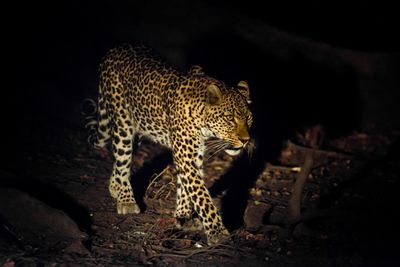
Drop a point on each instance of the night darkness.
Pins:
(329, 63)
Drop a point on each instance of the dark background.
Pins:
(331, 62)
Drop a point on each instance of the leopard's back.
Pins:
(136, 79)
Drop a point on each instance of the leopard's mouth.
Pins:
(233, 151)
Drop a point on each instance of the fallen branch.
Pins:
(319, 153)
(282, 168)
(295, 201)
(219, 249)
(314, 137)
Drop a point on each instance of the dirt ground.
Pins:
(348, 205)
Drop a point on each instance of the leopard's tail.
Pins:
(90, 112)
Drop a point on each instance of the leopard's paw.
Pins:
(217, 236)
(128, 208)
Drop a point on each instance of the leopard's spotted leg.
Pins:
(189, 163)
(122, 144)
(184, 209)
(120, 187)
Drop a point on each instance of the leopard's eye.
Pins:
(229, 117)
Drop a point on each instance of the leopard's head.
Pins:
(228, 117)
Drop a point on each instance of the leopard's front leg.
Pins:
(184, 208)
(189, 161)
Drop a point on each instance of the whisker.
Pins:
(216, 149)
(251, 147)
(215, 143)
(222, 147)
(215, 146)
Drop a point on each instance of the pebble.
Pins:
(198, 245)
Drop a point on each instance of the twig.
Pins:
(295, 200)
(189, 253)
(156, 177)
(283, 168)
(161, 190)
(146, 235)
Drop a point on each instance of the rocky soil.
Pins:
(55, 209)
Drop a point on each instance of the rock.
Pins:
(36, 224)
(254, 213)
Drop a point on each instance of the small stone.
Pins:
(276, 194)
(198, 245)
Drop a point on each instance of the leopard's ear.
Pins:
(196, 70)
(213, 94)
(244, 89)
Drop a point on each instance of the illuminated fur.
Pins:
(141, 95)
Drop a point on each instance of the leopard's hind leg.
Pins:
(122, 135)
(122, 144)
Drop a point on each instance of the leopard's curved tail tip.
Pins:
(88, 107)
(89, 110)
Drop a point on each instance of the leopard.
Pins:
(141, 95)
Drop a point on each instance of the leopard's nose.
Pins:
(244, 139)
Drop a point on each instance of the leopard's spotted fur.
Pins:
(139, 94)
